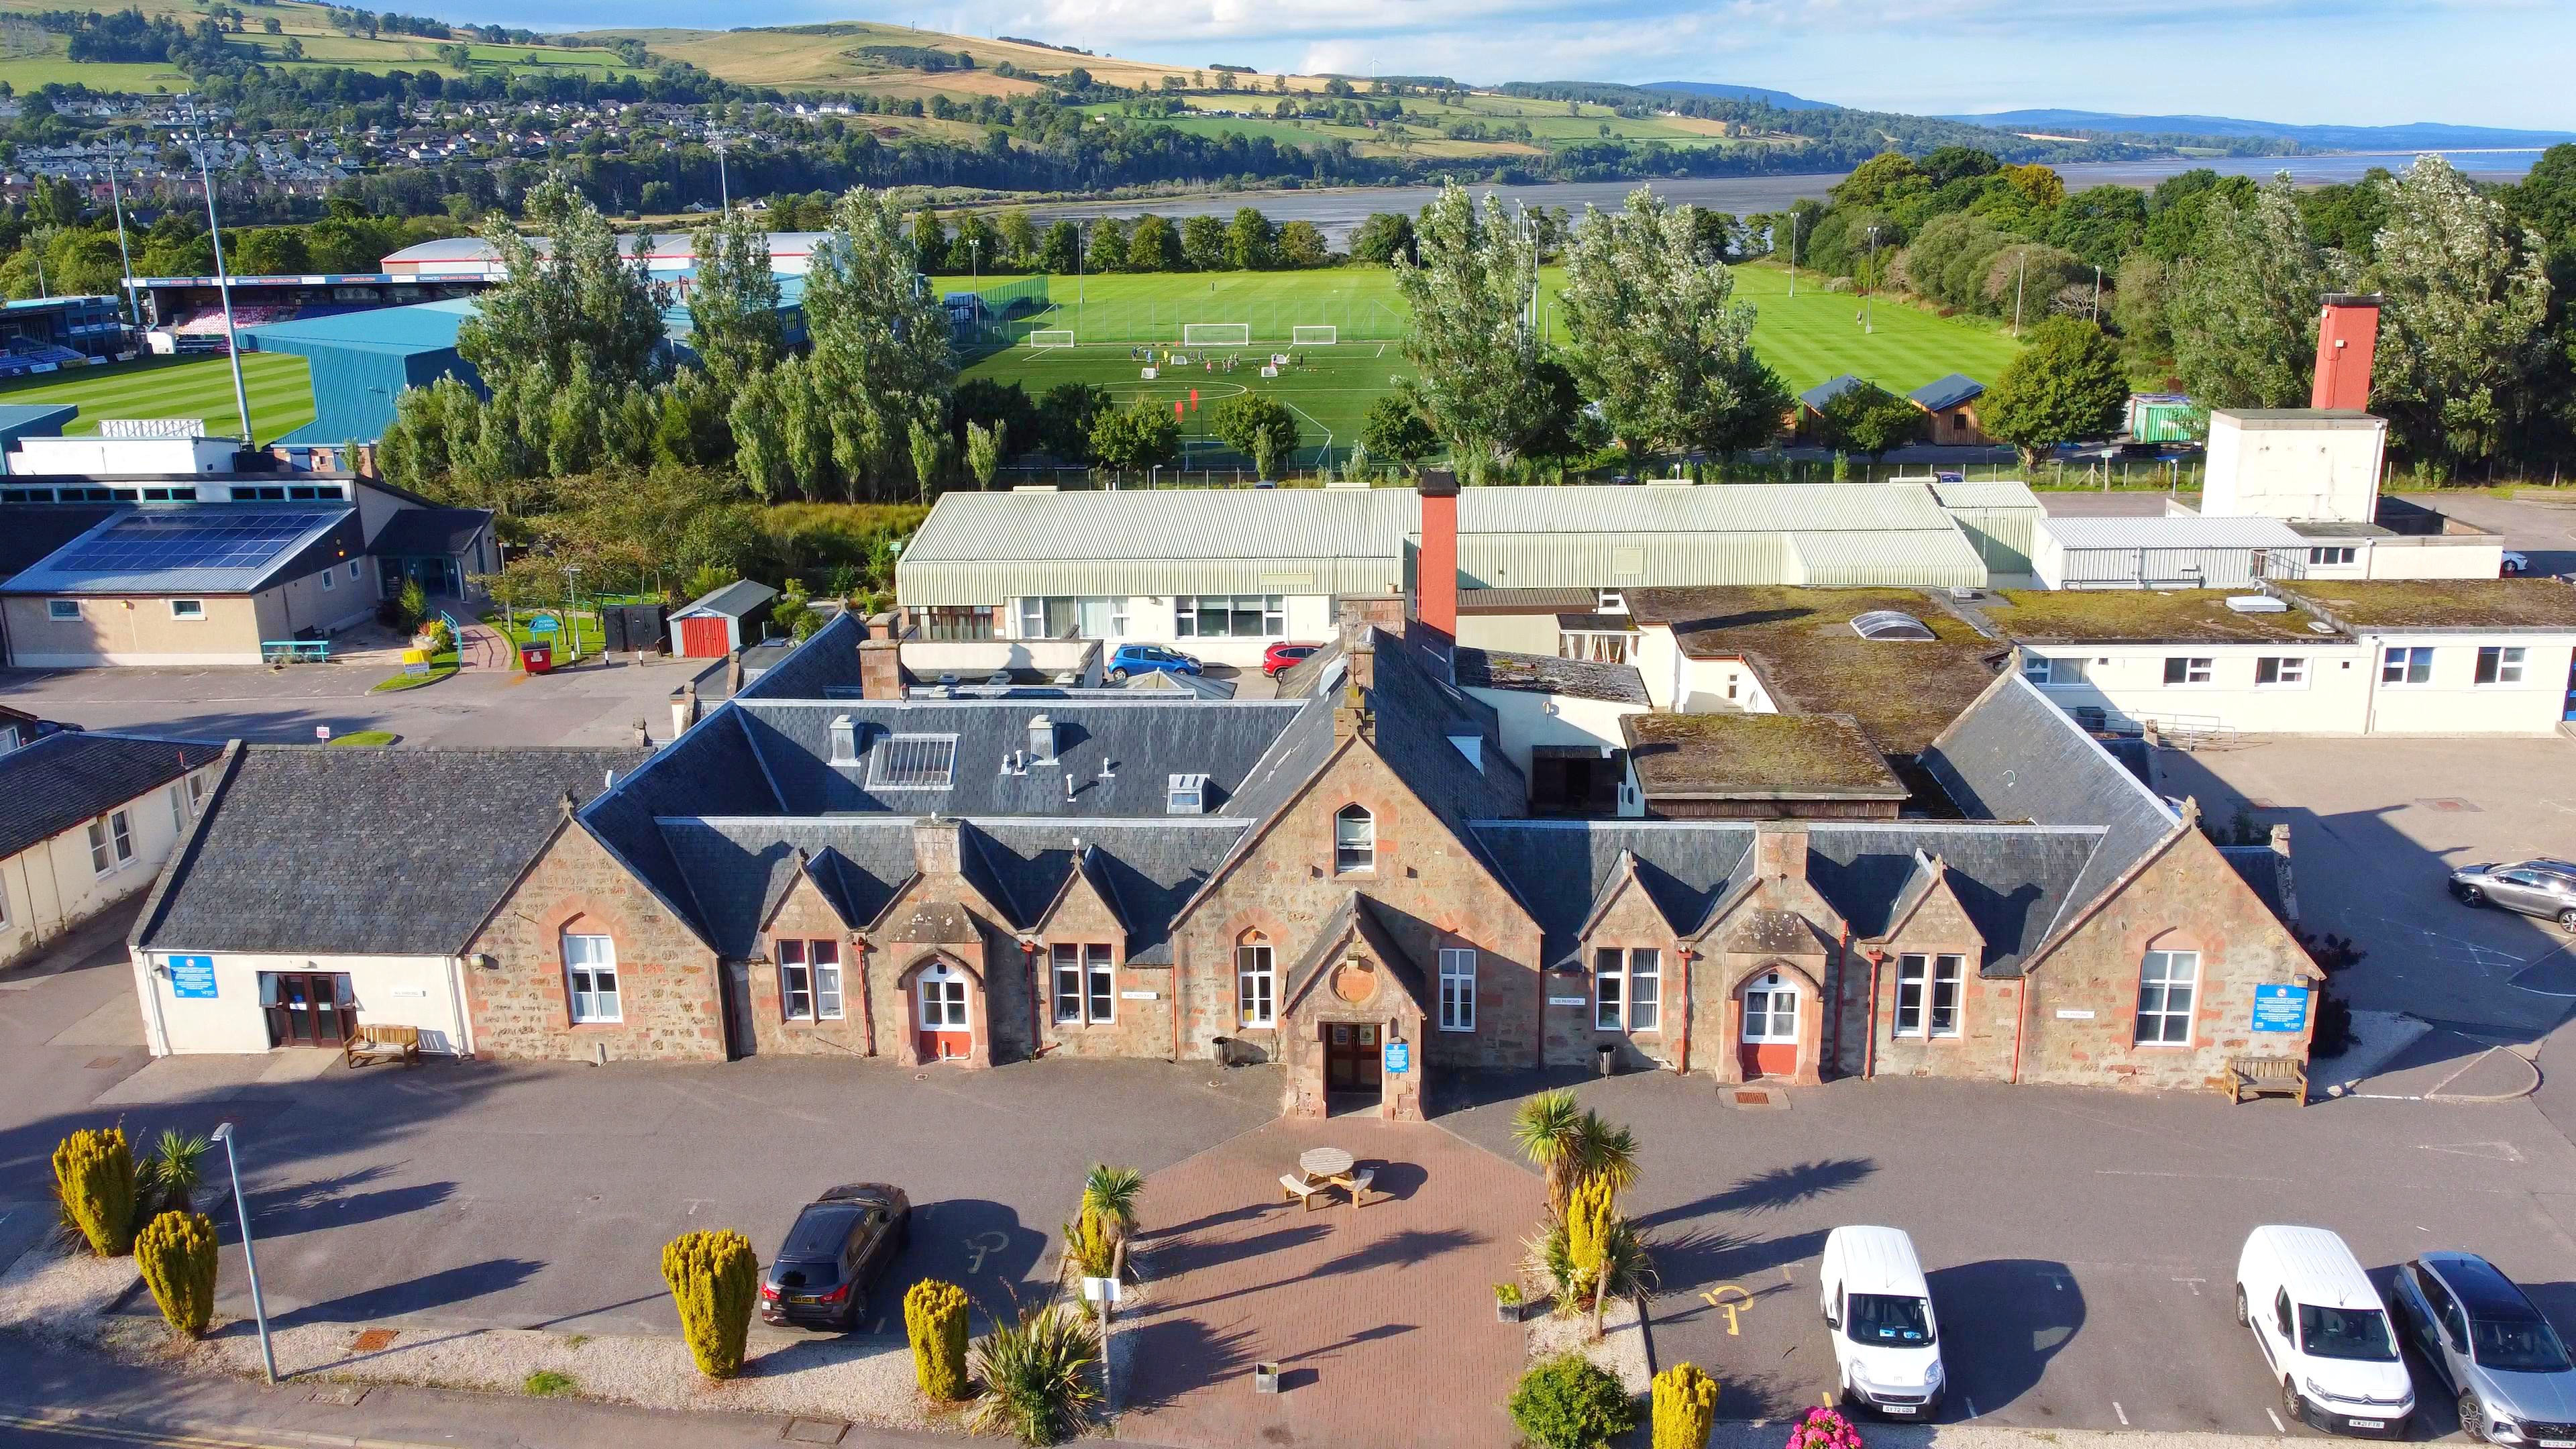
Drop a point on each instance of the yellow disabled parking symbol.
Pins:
(1732, 1306)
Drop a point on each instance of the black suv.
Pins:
(838, 1247)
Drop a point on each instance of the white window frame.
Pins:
(1626, 998)
(1949, 986)
(828, 1001)
(178, 809)
(2406, 661)
(196, 791)
(189, 610)
(2494, 660)
(1354, 840)
(2050, 671)
(809, 969)
(1913, 978)
(934, 988)
(2203, 666)
(327, 584)
(1088, 974)
(2331, 556)
(1256, 980)
(62, 611)
(2289, 671)
(1458, 988)
(598, 962)
(353, 571)
(1771, 988)
(2164, 1016)
(1187, 609)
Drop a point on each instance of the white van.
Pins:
(2324, 1331)
(1886, 1345)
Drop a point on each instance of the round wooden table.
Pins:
(1325, 1162)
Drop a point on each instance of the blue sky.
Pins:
(2354, 62)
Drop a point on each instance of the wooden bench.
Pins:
(1306, 1192)
(375, 1042)
(2262, 1076)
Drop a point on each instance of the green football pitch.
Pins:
(280, 387)
(1329, 388)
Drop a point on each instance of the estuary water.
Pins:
(1339, 210)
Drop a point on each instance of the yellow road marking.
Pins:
(1716, 1298)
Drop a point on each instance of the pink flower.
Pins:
(1823, 1429)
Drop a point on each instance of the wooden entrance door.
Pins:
(1770, 1046)
(308, 1008)
(702, 638)
(945, 1034)
(1351, 1060)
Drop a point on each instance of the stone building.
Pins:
(1350, 881)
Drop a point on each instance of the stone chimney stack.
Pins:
(2347, 339)
(1780, 850)
(935, 846)
(881, 659)
(684, 708)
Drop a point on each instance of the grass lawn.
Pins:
(441, 665)
(364, 738)
(586, 626)
(280, 386)
(1809, 338)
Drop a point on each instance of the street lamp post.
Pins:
(116, 200)
(724, 186)
(572, 625)
(250, 1259)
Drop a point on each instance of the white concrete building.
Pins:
(92, 818)
(2295, 463)
(290, 919)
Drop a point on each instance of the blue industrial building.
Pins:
(361, 361)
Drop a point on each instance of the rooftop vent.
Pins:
(2257, 604)
(1187, 795)
(845, 740)
(1890, 624)
(1042, 739)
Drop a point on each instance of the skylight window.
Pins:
(913, 762)
(1890, 624)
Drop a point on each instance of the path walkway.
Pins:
(1381, 1318)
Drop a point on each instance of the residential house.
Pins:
(92, 818)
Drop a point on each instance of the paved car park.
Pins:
(594, 704)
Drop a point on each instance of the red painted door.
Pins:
(702, 638)
(945, 1034)
(1770, 1045)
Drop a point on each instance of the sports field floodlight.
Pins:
(223, 274)
(250, 1260)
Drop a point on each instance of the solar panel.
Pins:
(913, 762)
(149, 542)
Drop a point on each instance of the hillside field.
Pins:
(31, 57)
(280, 387)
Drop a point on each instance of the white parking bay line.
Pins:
(2277, 1426)
(2123, 1413)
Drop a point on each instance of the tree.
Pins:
(2244, 306)
(2466, 293)
(1474, 349)
(578, 302)
(1381, 238)
(1657, 338)
(1395, 434)
(1301, 244)
(984, 453)
(1140, 435)
(1019, 237)
(1251, 242)
(1203, 243)
(2067, 385)
(1872, 419)
(272, 251)
(1259, 427)
(880, 342)
(1065, 414)
(733, 306)
(1548, 1128)
(1155, 245)
(1062, 253)
(1108, 250)
(929, 239)
(928, 445)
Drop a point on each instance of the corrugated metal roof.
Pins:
(421, 326)
(663, 245)
(1539, 560)
(1993, 493)
(1873, 560)
(2172, 532)
(1714, 508)
(1946, 392)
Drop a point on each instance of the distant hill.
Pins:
(1781, 99)
(2419, 135)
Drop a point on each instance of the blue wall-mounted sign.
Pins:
(544, 624)
(1399, 1057)
(192, 977)
(2280, 1008)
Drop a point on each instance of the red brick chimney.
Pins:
(1435, 578)
(2347, 336)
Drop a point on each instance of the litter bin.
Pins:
(537, 658)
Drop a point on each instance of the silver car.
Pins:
(2498, 1356)
(2541, 887)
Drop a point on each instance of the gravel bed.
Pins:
(1620, 1350)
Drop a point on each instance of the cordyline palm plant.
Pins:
(1111, 1192)
(1038, 1377)
(176, 1167)
(1572, 1146)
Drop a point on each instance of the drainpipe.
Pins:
(2021, 1017)
(1687, 956)
(1869, 1050)
(1180, 973)
(1037, 999)
(867, 998)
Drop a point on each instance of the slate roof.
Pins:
(430, 532)
(1824, 392)
(365, 852)
(738, 598)
(1947, 392)
(1548, 674)
(66, 780)
(1148, 870)
(2012, 755)
(1143, 742)
(828, 660)
(2013, 880)
(1559, 868)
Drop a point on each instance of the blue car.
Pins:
(1130, 659)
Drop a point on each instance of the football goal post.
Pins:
(1216, 334)
(1051, 337)
(1314, 336)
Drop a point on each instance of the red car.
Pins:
(1279, 656)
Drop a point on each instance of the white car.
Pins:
(1887, 1345)
(2324, 1331)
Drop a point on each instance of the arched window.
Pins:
(943, 998)
(1354, 840)
(1255, 999)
